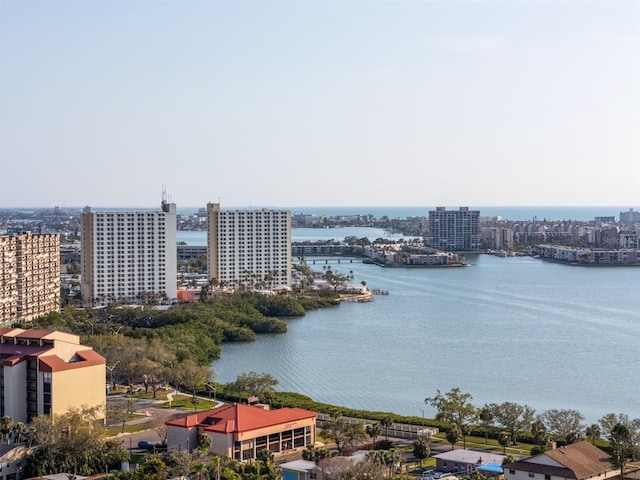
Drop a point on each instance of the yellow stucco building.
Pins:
(48, 372)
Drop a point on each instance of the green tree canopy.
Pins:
(455, 408)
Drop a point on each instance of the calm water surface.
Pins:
(512, 329)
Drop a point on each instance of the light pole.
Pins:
(422, 429)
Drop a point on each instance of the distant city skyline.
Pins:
(522, 103)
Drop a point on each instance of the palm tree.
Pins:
(421, 449)
(199, 471)
(391, 458)
(486, 418)
(453, 435)
(504, 439)
(18, 430)
(216, 463)
(373, 430)
(593, 432)
(6, 426)
(386, 423)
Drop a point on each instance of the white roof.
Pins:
(299, 465)
(471, 456)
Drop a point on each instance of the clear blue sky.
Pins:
(319, 103)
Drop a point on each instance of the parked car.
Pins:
(146, 444)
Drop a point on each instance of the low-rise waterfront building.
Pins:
(588, 256)
(241, 431)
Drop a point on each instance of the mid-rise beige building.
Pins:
(48, 372)
(29, 276)
(249, 249)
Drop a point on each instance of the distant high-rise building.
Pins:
(630, 217)
(603, 220)
(454, 230)
(128, 256)
(249, 248)
(29, 276)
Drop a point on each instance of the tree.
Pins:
(373, 430)
(335, 429)
(199, 470)
(6, 427)
(565, 424)
(539, 431)
(454, 407)
(514, 418)
(610, 420)
(203, 442)
(453, 435)
(355, 434)
(476, 475)
(253, 384)
(504, 439)
(314, 454)
(593, 433)
(386, 422)
(117, 414)
(72, 443)
(485, 415)
(421, 449)
(192, 377)
(620, 441)
(19, 429)
(336, 280)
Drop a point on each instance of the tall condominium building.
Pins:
(48, 372)
(128, 256)
(249, 248)
(630, 217)
(29, 276)
(454, 230)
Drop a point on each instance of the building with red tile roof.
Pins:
(47, 372)
(241, 431)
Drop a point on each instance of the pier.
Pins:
(324, 261)
(377, 291)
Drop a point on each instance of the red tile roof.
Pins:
(87, 358)
(241, 418)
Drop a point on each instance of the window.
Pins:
(532, 475)
(46, 388)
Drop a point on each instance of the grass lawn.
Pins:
(186, 402)
(492, 444)
(137, 427)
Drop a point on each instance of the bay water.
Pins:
(504, 329)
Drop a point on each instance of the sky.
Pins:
(319, 103)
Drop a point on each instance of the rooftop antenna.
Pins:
(163, 204)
